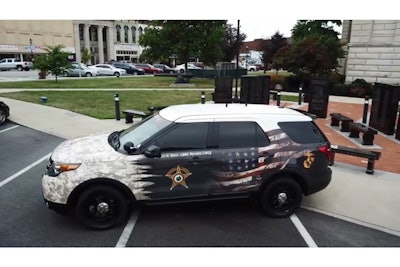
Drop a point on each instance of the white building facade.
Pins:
(105, 40)
(373, 50)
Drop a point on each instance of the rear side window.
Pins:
(302, 132)
(241, 134)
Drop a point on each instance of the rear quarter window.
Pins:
(303, 132)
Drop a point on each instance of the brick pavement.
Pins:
(387, 145)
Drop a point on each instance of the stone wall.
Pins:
(374, 51)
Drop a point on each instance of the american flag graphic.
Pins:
(241, 168)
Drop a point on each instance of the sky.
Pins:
(258, 18)
(263, 28)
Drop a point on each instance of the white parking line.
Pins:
(27, 168)
(10, 128)
(128, 229)
(303, 231)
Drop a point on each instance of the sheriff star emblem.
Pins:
(178, 176)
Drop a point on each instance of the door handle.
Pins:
(196, 160)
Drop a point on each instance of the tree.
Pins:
(230, 44)
(85, 56)
(315, 49)
(271, 47)
(184, 39)
(55, 61)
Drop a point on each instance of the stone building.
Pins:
(373, 48)
(105, 40)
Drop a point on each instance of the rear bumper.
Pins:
(318, 182)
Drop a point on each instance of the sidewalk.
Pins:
(353, 195)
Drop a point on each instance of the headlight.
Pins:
(55, 168)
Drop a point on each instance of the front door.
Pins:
(183, 170)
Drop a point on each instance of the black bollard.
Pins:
(116, 101)
(365, 111)
(300, 95)
(278, 88)
(203, 97)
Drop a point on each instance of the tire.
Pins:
(3, 115)
(20, 68)
(181, 70)
(101, 207)
(116, 74)
(281, 197)
(88, 74)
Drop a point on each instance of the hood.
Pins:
(92, 148)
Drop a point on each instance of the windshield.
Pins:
(140, 132)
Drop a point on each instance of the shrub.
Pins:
(360, 88)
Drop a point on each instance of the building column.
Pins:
(78, 56)
(100, 43)
(129, 36)
(110, 43)
(86, 39)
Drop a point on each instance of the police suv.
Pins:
(189, 153)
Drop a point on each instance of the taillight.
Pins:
(326, 150)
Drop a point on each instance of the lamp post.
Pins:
(30, 46)
(247, 56)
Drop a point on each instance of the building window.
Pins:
(118, 29)
(80, 32)
(133, 34)
(140, 32)
(126, 30)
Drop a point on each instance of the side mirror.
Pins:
(129, 147)
(153, 152)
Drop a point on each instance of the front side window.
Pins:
(140, 132)
(186, 136)
(241, 135)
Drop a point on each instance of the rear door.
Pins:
(242, 155)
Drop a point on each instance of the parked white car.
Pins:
(80, 70)
(108, 70)
(190, 66)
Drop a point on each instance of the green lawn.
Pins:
(100, 104)
(108, 82)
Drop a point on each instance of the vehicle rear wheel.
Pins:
(20, 68)
(88, 74)
(101, 207)
(281, 198)
(116, 74)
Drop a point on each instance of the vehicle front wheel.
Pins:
(3, 115)
(101, 207)
(88, 74)
(116, 74)
(20, 68)
(281, 198)
(181, 70)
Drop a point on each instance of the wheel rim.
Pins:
(102, 209)
(2, 116)
(283, 198)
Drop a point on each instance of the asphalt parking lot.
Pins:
(26, 222)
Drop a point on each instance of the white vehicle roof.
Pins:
(208, 112)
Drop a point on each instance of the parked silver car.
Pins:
(80, 70)
(108, 70)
